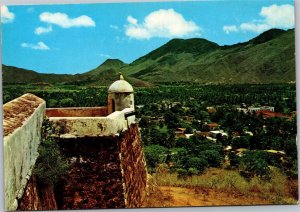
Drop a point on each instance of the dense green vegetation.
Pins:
(282, 96)
(50, 167)
(162, 109)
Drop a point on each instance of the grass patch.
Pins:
(276, 190)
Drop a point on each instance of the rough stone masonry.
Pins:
(102, 144)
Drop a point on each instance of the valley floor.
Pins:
(168, 191)
(182, 197)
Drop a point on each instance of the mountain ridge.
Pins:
(267, 58)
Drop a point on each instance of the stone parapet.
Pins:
(75, 127)
(22, 122)
(77, 112)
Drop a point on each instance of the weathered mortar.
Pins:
(22, 121)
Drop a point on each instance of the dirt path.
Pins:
(177, 196)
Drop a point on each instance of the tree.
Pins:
(241, 142)
(155, 154)
(213, 157)
(171, 119)
(255, 163)
(197, 163)
(234, 159)
(52, 103)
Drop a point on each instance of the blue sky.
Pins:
(77, 38)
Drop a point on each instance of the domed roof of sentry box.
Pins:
(120, 86)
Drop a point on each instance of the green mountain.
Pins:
(12, 74)
(103, 75)
(267, 58)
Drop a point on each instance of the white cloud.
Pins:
(274, 16)
(279, 16)
(253, 27)
(42, 30)
(6, 15)
(105, 55)
(39, 46)
(161, 23)
(132, 20)
(230, 28)
(115, 27)
(64, 21)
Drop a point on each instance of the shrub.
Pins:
(68, 102)
(193, 171)
(234, 159)
(213, 157)
(200, 164)
(50, 166)
(52, 103)
(241, 142)
(255, 163)
(182, 173)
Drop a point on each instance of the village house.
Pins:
(180, 132)
(157, 120)
(270, 114)
(211, 109)
(252, 109)
(189, 119)
(214, 133)
(210, 126)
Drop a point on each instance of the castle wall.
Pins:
(74, 127)
(37, 197)
(77, 112)
(95, 178)
(108, 165)
(106, 172)
(133, 167)
(22, 121)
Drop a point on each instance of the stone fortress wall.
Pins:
(22, 121)
(103, 145)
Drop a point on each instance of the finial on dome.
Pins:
(121, 76)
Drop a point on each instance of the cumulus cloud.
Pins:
(274, 16)
(43, 30)
(39, 46)
(132, 20)
(6, 15)
(279, 16)
(230, 28)
(64, 21)
(161, 23)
